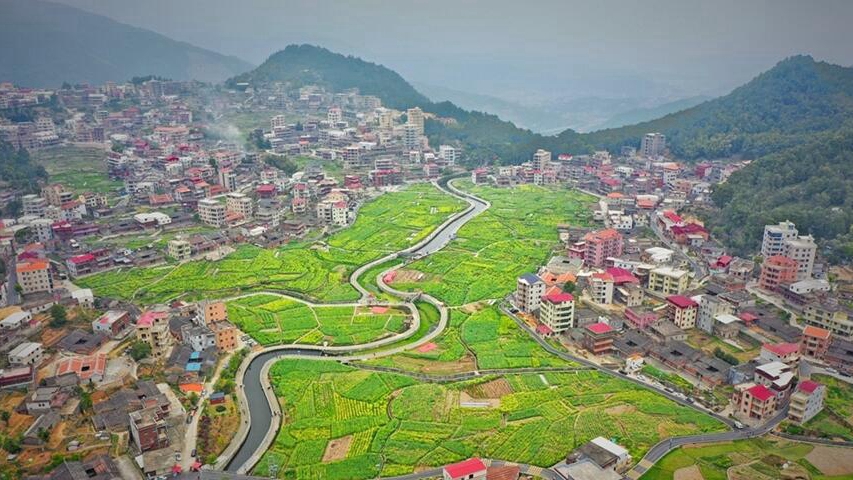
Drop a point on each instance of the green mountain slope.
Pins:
(810, 184)
(43, 44)
(778, 109)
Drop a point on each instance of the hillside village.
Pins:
(648, 292)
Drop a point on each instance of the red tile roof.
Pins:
(599, 328)
(465, 468)
(760, 392)
(559, 297)
(812, 331)
(782, 348)
(86, 257)
(543, 329)
(622, 275)
(681, 301)
(808, 386)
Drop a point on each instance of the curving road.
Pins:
(259, 407)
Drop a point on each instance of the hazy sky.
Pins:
(521, 48)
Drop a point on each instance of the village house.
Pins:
(806, 401)
(682, 311)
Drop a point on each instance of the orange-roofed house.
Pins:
(787, 353)
(34, 276)
(815, 342)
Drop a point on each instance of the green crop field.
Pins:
(512, 237)
(320, 270)
(484, 340)
(271, 319)
(390, 424)
(80, 169)
(756, 459)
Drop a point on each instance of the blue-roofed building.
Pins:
(528, 292)
(194, 367)
(195, 355)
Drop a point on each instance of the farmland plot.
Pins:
(389, 223)
(271, 320)
(415, 425)
(512, 237)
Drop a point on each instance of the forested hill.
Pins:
(780, 108)
(43, 44)
(810, 184)
(486, 137)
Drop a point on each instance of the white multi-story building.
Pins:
(541, 159)
(211, 212)
(415, 116)
(411, 136)
(557, 311)
(601, 288)
(34, 205)
(240, 203)
(710, 306)
(334, 115)
(653, 144)
(228, 179)
(528, 292)
(448, 154)
(775, 236)
(802, 250)
(43, 229)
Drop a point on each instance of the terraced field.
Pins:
(391, 222)
(395, 425)
(485, 339)
(512, 237)
(274, 320)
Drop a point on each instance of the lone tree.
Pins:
(139, 350)
(58, 316)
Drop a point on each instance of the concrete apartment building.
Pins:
(528, 292)
(415, 117)
(239, 203)
(653, 144)
(34, 205)
(149, 428)
(802, 250)
(773, 242)
(668, 280)
(710, 306)
(225, 335)
(831, 315)
(449, 154)
(601, 288)
(557, 311)
(153, 328)
(777, 270)
(211, 312)
(211, 212)
(34, 276)
(815, 342)
(600, 245)
(228, 179)
(179, 249)
(598, 338)
(541, 159)
(806, 401)
(682, 311)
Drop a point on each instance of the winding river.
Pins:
(256, 432)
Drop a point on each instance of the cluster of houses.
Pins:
(597, 459)
(186, 343)
(628, 301)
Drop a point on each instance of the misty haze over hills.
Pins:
(545, 53)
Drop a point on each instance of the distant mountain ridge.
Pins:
(43, 44)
